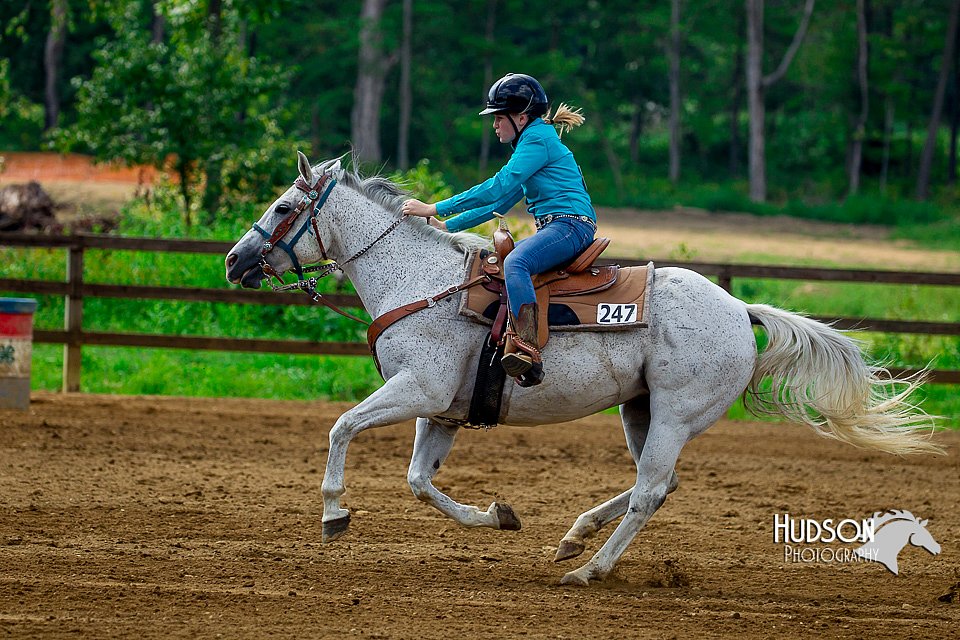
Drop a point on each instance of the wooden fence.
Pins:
(74, 290)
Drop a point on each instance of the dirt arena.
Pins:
(170, 517)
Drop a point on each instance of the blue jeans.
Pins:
(556, 245)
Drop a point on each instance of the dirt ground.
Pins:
(168, 517)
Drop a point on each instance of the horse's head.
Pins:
(286, 236)
(920, 537)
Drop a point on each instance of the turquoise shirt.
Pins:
(541, 169)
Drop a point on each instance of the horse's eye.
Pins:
(282, 208)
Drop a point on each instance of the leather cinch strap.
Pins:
(381, 324)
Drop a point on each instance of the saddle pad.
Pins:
(622, 303)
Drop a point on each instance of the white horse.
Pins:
(672, 380)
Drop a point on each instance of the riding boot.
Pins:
(521, 358)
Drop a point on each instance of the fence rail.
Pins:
(74, 290)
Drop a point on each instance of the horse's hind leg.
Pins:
(430, 448)
(654, 471)
(636, 422)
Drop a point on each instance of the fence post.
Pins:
(724, 279)
(73, 318)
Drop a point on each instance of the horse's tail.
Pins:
(819, 377)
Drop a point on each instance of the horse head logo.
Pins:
(898, 528)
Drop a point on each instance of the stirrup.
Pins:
(516, 363)
(533, 377)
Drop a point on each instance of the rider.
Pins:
(544, 171)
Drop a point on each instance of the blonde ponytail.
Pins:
(565, 118)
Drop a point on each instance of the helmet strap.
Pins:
(516, 132)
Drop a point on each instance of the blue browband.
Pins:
(288, 246)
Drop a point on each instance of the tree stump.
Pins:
(26, 207)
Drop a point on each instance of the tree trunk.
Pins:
(372, 67)
(636, 128)
(487, 81)
(954, 116)
(757, 84)
(887, 141)
(183, 172)
(406, 98)
(158, 24)
(52, 57)
(954, 124)
(859, 130)
(736, 106)
(755, 103)
(946, 63)
(213, 189)
(609, 152)
(674, 55)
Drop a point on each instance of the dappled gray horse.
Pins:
(671, 380)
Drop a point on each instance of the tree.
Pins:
(372, 67)
(488, 77)
(946, 63)
(675, 104)
(52, 58)
(152, 103)
(757, 84)
(213, 191)
(406, 97)
(859, 131)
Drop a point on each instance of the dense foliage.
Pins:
(220, 92)
(231, 85)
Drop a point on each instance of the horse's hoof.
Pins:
(568, 549)
(506, 517)
(576, 578)
(333, 529)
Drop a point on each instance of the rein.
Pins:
(314, 197)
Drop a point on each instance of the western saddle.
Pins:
(578, 278)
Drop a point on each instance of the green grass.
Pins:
(196, 373)
(132, 371)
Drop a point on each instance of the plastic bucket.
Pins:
(16, 345)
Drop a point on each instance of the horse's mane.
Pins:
(385, 192)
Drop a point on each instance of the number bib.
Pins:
(616, 313)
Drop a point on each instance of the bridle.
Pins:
(313, 197)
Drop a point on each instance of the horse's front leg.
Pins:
(400, 398)
(430, 448)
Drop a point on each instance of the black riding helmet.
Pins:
(516, 93)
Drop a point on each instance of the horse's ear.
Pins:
(923, 523)
(304, 165)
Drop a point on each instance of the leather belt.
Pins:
(543, 221)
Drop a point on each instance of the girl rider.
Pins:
(543, 171)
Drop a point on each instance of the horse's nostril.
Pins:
(231, 260)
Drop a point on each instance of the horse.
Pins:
(898, 529)
(672, 379)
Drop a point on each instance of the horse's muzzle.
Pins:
(252, 277)
(246, 273)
